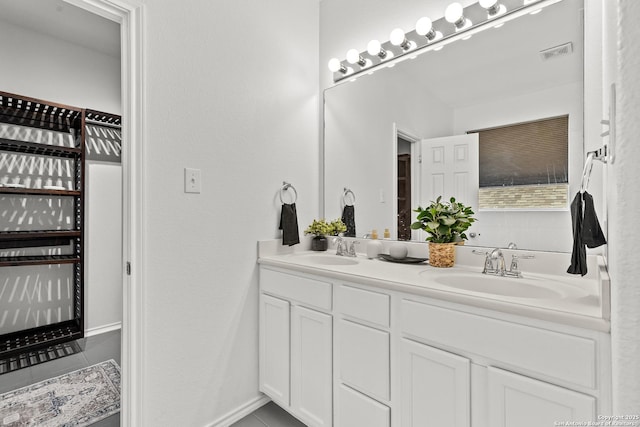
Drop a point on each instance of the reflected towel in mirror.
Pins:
(349, 219)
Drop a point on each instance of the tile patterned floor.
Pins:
(97, 348)
(270, 415)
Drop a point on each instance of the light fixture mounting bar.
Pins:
(475, 13)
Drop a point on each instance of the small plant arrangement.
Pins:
(320, 229)
(324, 228)
(445, 222)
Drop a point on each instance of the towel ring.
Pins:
(285, 187)
(347, 191)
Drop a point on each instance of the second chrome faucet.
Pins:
(343, 248)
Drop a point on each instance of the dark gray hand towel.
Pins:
(579, 253)
(586, 232)
(289, 224)
(349, 219)
(592, 234)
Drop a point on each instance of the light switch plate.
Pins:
(192, 180)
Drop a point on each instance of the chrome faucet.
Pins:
(494, 263)
(499, 267)
(343, 248)
(352, 248)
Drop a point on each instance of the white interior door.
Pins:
(450, 168)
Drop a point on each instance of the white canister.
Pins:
(374, 248)
(398, 251)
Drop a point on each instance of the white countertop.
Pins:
(573, 300)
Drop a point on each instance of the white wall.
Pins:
(43, 67)
(624, 205)
(54, 70)
(232, 89)
(103, 245)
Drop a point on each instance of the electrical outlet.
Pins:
(192, 180)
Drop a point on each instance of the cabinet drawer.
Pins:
(364, 358)
(364, 305)
(355, 409)
(565, 357)
(308, 291)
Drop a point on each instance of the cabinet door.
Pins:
(364, 358)
(519, 401)
(356, 409)
(274, 348)
(311, 366)
(435, 387)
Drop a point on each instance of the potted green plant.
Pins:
(321, 229)
(446, 223)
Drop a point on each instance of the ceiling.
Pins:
(58, 19)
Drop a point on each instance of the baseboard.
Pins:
(102, 329)
(240, 412)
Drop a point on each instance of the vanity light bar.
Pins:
(471, 19)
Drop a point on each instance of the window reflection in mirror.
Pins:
(525, 165)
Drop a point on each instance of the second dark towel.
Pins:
(586, 232)
(349, 219)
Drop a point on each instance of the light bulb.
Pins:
(374, 48)
(424, 27)
(397, 37)
(335, 65)
(453, 13)
(353, 56)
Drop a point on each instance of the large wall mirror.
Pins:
(381, 130)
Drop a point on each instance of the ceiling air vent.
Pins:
(555, 52)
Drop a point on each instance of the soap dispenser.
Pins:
(374, 246)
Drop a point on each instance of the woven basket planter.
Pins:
(442, 254)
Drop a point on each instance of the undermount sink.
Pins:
(507, 286)
(326, 259)
(530, 287)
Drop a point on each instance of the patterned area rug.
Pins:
(75, 399)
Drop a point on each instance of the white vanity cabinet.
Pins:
(296, 350)
(349, 351)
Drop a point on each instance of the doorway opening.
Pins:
(407, 154)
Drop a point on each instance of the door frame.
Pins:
(415, 174)
(130, 15)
